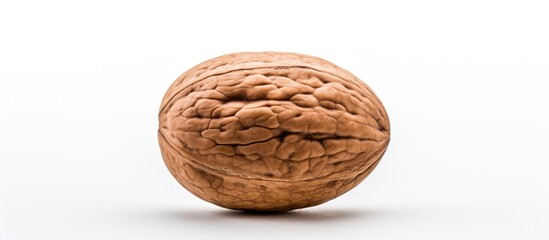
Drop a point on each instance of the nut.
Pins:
(270, 131)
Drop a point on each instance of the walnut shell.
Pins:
(270, 131)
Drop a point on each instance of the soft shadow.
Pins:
(296, 216)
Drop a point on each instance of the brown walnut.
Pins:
(270, 131)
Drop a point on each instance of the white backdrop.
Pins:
(464, 82)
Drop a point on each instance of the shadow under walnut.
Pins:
(270, 131)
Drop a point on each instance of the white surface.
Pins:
(465, 84)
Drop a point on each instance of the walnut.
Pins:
(270, 131)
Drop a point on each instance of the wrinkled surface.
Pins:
(270, 131)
